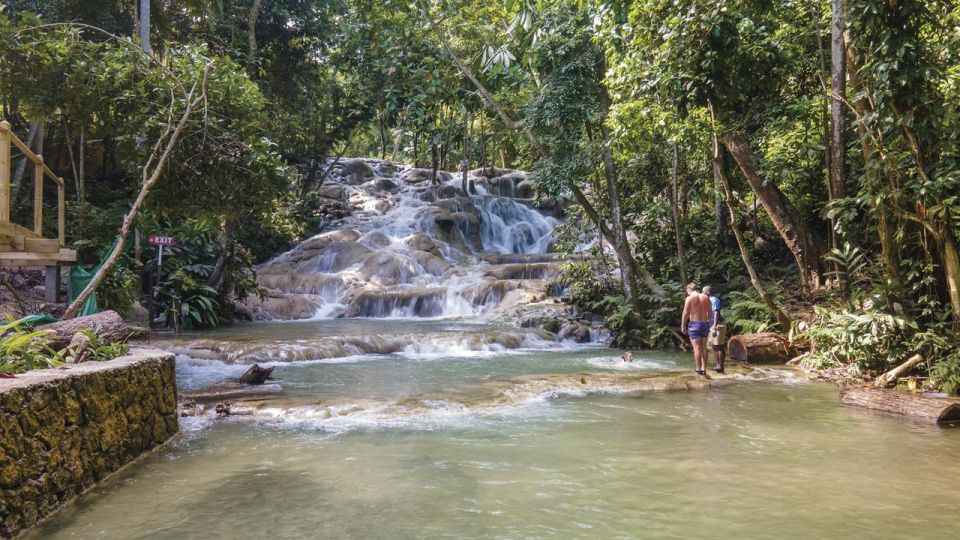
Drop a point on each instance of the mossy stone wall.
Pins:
(63, 430)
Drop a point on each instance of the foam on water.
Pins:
(617, 363)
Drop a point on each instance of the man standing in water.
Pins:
(695, 322)
(718, 330)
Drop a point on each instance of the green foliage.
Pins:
(870, 339)
(97, 351)
(583, 287)
(24, 350)
(746, 313)
(202, 274)
(946, 373)
(118, 290)
(853, 271)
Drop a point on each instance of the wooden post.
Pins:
(4, 171)
(52, 284)
(61, 213)
(38, 196)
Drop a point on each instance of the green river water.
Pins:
(750, 460)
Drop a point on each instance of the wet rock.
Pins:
(422, 242)
(382, 206)
(280, 306)
(410, 302)
(525, 189)
(354, 171)
(575, 331)
(336, 192)
(381, 185)
(432, 264)
(388, 268)
(490, 172)
(375, 240)
(449, 192)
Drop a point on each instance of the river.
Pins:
(750, 460)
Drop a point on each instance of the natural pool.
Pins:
(749, 460)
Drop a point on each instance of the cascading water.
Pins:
(412, 247)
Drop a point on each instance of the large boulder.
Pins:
(525, 189)
(431, 264)
(388, 268)
(449, 192)
(422, 242)
(354, 171)
(418, 175)
(381, 185)
(375, 240)
(336, 192)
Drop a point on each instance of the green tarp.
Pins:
(79, 278)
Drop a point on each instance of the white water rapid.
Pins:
(409, 247)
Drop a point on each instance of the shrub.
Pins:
(24, 350)
(946, 373)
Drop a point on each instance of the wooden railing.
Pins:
(40, 169)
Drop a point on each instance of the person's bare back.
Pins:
(697, 307)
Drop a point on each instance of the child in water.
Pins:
(627, 356)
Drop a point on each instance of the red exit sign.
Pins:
(163, 240)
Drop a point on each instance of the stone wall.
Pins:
(63, 430)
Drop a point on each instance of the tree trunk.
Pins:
(720, 207)
(674, 190)
(35, 127)
(252, 30)
(822, 75)
(781, 317)
(433, 164)
(145, 26)
(951, 267)
(648, 280)
(383, 136)
(838, 82)
(806, 249)
(886, 224)
(918, 407)
(762, 348)
(108, 325)
(620, 244)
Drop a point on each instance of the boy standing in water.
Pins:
(718, 330)
(695, 322)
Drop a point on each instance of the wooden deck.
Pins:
(22, 247)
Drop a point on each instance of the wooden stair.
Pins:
(21, 247)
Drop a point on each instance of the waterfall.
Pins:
(407, 248)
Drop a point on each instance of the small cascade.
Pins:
(413, 246)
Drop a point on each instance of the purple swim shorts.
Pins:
(698, 329)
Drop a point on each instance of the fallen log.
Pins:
(927, 409)
(890, 378)
(762, 348)
(108, 325)
(256, 375)
(233, 390)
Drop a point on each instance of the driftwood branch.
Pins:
(890, 378)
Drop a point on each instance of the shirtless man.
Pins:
(695, 322)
